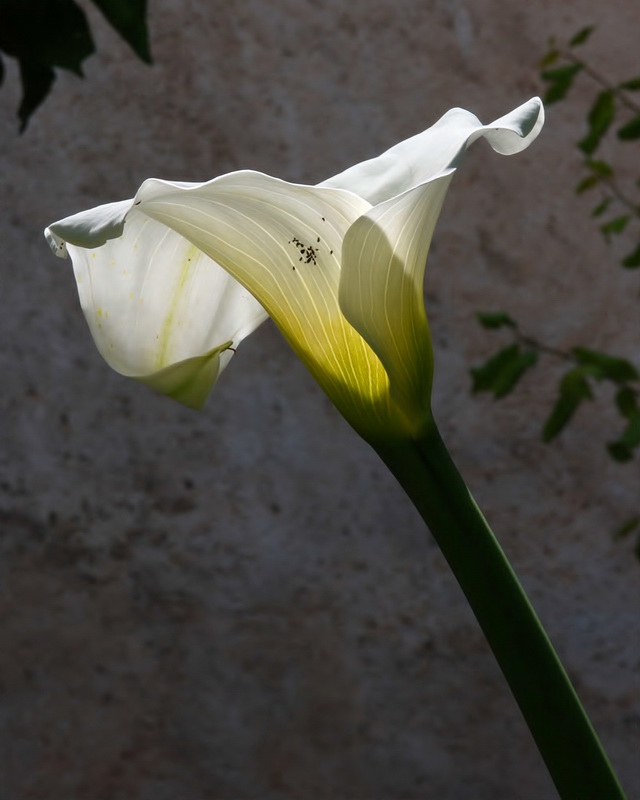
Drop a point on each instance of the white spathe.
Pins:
(159, 309)
(437, 149)
(167, 280)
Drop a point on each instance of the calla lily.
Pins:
(173, 280)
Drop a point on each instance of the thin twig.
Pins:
(563, 355)
(622, 197)
(598, 78)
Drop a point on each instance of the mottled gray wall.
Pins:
(241, 603)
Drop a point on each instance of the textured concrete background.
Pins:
(241, 604)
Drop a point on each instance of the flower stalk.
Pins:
(552, 710)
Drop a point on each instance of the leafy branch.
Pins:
(610, 98)
(618, 216)
(501, 373)
(45, 35)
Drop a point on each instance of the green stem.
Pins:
(564, 735)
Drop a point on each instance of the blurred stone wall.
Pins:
(241, 604)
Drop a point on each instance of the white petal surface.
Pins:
(90, 228)
(154, 302)
(381, 288)
(430, 153)
(283, 242)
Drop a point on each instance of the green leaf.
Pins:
(619, 452)
(549, 58)
(560, 80)
(615, 225)
(128, 17)
(622, 449)
(631, 434)
(599, 119)
(501, 373)
(573, 389)
(37, 80)
(587, 183)
(632, 85)
(582, 36)
(495, 319)
(42, 35)
(630, 131)
(54, 33)
(627, 527)
(626, 401)
(46, 34)
(599, 167)
(615, 369)
(633, 259)
(601, 207)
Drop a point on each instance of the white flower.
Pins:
(167, 280)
